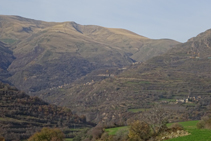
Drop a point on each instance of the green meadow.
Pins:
(196, 134)
(113, 131)
(190, 126)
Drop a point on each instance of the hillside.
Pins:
(50, 54)
(190, 126)
(6, 58)
(181, 73)
(22, 115)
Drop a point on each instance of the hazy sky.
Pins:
(175, 19)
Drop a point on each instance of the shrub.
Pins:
(200, 124)
(47, 134)
(97, 132)
(77, 138)
(208, 123)
(86, 139)
(121, 135)
(82, 135)
(204, 123)
(105, 136)
(139, 131)
(176, 126)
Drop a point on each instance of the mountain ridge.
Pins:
(73, 65)
(181, 72)
(41, 48)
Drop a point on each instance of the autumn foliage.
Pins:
(139, 131)
(204, 123)
(47, 134)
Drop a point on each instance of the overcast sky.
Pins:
(174, 19)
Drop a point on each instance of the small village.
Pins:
(189, 99)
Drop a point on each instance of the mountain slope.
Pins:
(50, 54)
(6, 58)
(182, 72)
(21, 115)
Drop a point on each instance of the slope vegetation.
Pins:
(22, 115)
(50, 54)
(181, 73)
(6, 58)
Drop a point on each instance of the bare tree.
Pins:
(157, 118)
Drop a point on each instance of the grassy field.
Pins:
(190, 126)
(169, 100)
(68, 139)
(196, 134)
(8, 41)
(136, 110)
(112, 131)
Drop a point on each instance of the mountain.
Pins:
(6, 58)
(50, 54)
(181, 73)
(22, 115)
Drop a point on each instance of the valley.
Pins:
(89, 75)
(182, 72)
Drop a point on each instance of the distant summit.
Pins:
(50, 54)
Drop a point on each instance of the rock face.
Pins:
(50, 54)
